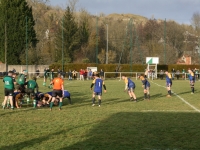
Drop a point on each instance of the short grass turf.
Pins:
(158, 124)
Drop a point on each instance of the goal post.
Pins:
(152, 63)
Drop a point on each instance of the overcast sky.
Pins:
(180, 11)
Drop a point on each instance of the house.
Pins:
(185, 60)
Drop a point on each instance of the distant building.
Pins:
(185, 60)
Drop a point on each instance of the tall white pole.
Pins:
(6, 69)
(107, 46)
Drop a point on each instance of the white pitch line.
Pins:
(180, 98)
(54, 109)
(167, 110)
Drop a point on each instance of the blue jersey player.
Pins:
(168, 83)
(65, 95)
(146, 86)
(192, 80)
(98, 84)
(130, 86)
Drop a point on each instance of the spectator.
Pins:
(196, 71)
(45, 76)
(90, 74)
(82, 74)
(183, 74)
(62, 73)
(74, 74)
(70, 75)
(177, 74)
(37, 73)
(161, 74)
(85, 74)
(58, 70)
(14, 71)
(173, 73)
(101, 74)
(48, 72)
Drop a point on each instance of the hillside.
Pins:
(126, 17)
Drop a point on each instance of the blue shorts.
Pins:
(192, 82)
(131, 88)
(98, 93)
(147, 85)
(169, 84)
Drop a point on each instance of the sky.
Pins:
(180, 11)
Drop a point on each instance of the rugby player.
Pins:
(130, 86)
(97, 83)
(146, 86)
(168, 83)
(8, 89)
(58, 90)
(21, 81)
(31, 86)
(17, 97)
(191, 80)
(45, 76)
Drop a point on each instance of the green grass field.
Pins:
(159, 124)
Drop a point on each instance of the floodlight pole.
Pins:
(165, 42)
(26, 46)
(107, 46)
(6, 48)
(97, 40)
(131, 44)
(62, 47)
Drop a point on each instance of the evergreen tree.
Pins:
(16, 22)
(67, 37)
(84, 32)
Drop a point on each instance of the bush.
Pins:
(122, 67)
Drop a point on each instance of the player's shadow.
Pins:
(28, 144)
(137, 130)
(113, 100)
(16, 110)
(186, 92)
(152, 97)
(77, 98)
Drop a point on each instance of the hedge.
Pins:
(122, 68)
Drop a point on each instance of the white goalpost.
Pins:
(152, 63)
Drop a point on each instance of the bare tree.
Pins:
(196, 21)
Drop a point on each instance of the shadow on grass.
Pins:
(139, 99)
(187, 92)
(16, 110)
(143, 131)
(30, 143)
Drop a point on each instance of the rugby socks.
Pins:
(51, 105)
(70, 102)
(145, 95)
(99, 102)
(60, 104)
(169, 92)
(192, 89)
(93, 100)
(148, 96)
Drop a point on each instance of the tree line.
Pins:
(34, 32)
